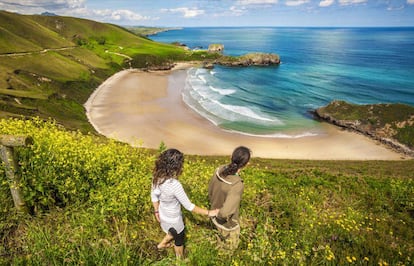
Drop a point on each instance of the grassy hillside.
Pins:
(23, 34)
(49, 65)
(90, 205)
(392, 123)
(146, 31)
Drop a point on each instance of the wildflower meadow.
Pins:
(89, 204)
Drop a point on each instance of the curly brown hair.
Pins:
(168, 165)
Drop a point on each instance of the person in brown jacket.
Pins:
(225, 192)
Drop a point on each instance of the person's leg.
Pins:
(165, 242)
(228, 238)
(233, 239)
(179, 251)
(178, 242)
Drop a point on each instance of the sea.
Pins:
(318, 65)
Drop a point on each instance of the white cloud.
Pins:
(351, 2)
(410, 2)
(60, 7)
(70, 8)
(395, 8)
(118, 15)
(127, 14)
(325, 3)
(42, 4)
(236, 11)
(233, 11)
(296, 2)
(107, 15)
(187, 12)
(256, 2)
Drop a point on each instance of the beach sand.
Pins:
(146, 108)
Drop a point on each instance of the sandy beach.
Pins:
(145, 109)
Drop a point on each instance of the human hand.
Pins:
(157, 215)
(212, 213)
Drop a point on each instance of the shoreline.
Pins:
(145, 109)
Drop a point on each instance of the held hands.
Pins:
(213, 213)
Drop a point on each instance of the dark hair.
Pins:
(239, 158)
(168, 165)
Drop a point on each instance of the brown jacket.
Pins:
(225, 193)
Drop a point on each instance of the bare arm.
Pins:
(185, 201)
(210, 213)
(156, 206)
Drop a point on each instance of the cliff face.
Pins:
(216, 48)
(391, 124)
(251, 59)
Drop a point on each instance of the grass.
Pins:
(51, 65)
(145, 31)
(24, 94)
(90, 205)
(19, 33)
(384, 120)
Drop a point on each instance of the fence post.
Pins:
(7, 144)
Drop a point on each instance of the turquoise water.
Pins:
(358, 65)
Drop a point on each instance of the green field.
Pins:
(90, 204)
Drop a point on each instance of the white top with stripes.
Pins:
(171, 196)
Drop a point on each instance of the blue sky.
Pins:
(189, 13)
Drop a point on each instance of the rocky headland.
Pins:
(246, 60)
(391, 124)
(251, 59)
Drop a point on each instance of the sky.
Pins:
(214, 13)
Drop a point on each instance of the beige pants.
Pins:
(228, 239)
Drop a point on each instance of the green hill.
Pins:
(49, 65)
(392, 124)
(22, 34)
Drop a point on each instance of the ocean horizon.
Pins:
(318, 65)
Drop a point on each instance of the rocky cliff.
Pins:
(215, 47)
(391, 124)
(251, 59)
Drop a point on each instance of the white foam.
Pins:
(203, 79)
(206, 99)
(247, 112)
(222, 91)
(277, 135)
(190, 102)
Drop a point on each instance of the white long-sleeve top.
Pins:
(171, 196)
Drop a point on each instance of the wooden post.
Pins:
(7, 144)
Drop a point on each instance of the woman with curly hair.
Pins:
(167, 195)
